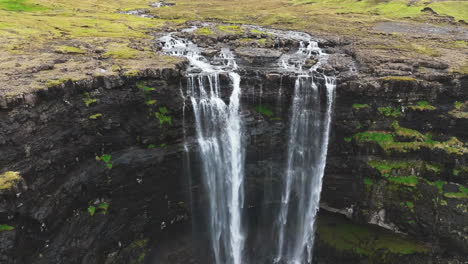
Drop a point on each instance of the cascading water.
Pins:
(307, 151)
(219, 133)
(219, 136)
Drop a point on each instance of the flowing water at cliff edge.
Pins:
(220, 137)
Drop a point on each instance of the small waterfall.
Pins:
(306, 159)
(219, 132)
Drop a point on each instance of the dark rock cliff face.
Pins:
(105, 175)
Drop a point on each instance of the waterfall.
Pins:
(219, 132)
(306, 159)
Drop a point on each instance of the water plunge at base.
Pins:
(220, 137)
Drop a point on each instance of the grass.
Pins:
(364, 240)
(88, 100)
(459, 111)
(69, 50)
(162, 116)
(399, 78)
(422, 106)
(264, 110)
(413, 140)
(95, 116)
(4, 228)
(145, 88)
(20, 5)
(406, 132)
(30, 29)
(360, 106)
(390, 111)
(9, 179)
(106, 158)
(121, 52)
(205, 31)
(462, 194)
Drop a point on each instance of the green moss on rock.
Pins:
(399, 78)
(390, 111)
(360, 106)
(422, 106)
(9, 179)
(364, 240)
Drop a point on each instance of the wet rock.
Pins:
(258, 56)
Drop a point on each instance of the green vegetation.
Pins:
(368, 182)
(69, 50)
(462, 194)
(206, 31)
(458, 111)
(401, 172)
(4, 228)
(439, 185)
(410, 205)
(20, 5)
(162, 116)
(455, 9)
(106, 158)
(264, 110)
(386, 140)
(53, 83)
(422, 106)
(88, 100)
(143, 86)
(101, 208)
(121, 52)
(390, 111)
(150, 102)
(33, 30)
(364, 240)
(406, 132)
(360, 106)
(460, 169)
(231, 29)
(95, 116)
(9, 179)
(254, 31)
(399, 78)
(92, 210)
(458, 105)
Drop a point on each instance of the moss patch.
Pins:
(365, 240)
(360, 106)
(390, 111)
(69, 50)
(399, 78)
(4, 228)
(422, 106)
(462, 194)
(386, 140)
(9, 179)
(121, 52)
(206, 31)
